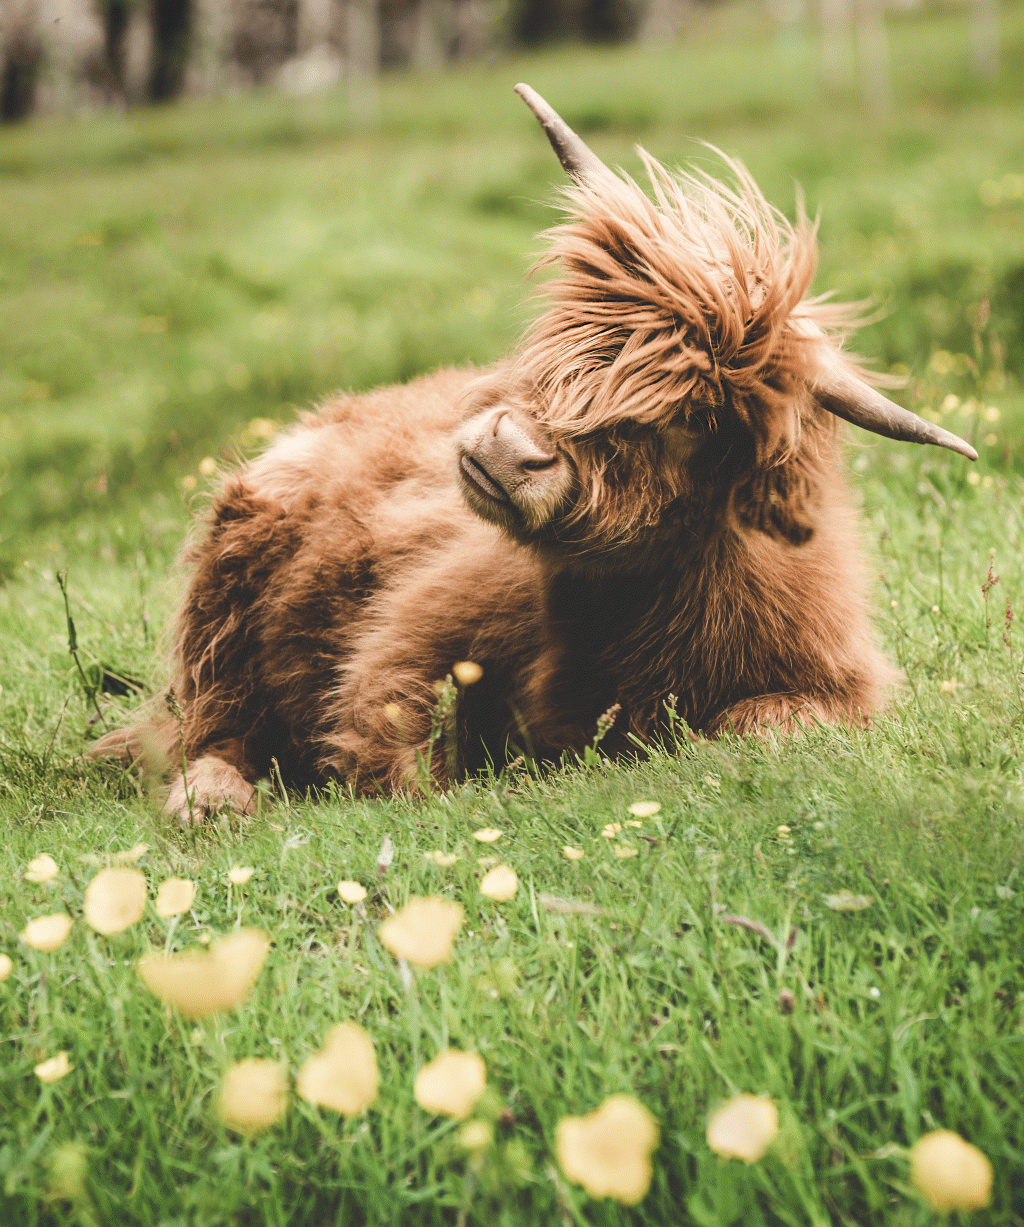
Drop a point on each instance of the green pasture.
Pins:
(174, 285)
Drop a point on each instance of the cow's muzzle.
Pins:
(509, 469)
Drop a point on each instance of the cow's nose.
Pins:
(512, 451)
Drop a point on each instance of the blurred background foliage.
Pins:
(177, 282)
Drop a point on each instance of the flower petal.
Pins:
(949, 1173)
(6, 966)
(572, 854)
(422, 932)
(253, 1095)
(238, 875)
(500, 884)
(114, 900)
(47, 932)
(847, 901)
(645, 809)
(131, 856)
(200, 983)
(467, 672)
(451, 1083)
(54, 1069)
(352, 892)
(174, 896)
(488, 835)
(41, 868)
(343, 1075)
(743, 1128)
(608, 1151)
(444, 859)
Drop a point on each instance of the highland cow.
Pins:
(643, 506)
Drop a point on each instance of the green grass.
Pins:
(170, 278)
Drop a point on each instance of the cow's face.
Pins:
(676, 372)
(601, 499)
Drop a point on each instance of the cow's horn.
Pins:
(851, 398)
(580, 162)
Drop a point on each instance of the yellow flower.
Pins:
(47, 932)
(783, 830)
(451, 1083)
(743, 1128)
(54, 1069)
(500, 884)
(253, 1095)
(611, 829)
(174, 896)
(238, 875)
(609, 1150)
(444, 859)
(638, 825)
(487, 835)
(645, 809)
(343, 1074)
(476, 1135)
(207, 466)
(572, 854)
(131, 856)
(114, 900)
(200, 983)
(422, 932)
(6, 966)
(625, 853)
(467, 672)
(42, 868)
(949, 1173)
(846, 901)
(352, 892)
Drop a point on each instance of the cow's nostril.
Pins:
(535, 466)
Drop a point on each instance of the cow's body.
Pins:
(644, 507)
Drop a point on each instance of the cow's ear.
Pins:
(777, 502)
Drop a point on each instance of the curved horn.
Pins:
(579, 162)
(852, 399)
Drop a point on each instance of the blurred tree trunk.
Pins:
(21, 55)
(207, 51)
(873, 50)
(663, 19)
(116, 15)
(471, 31)
(429, 42)
(835, 43)
(985, 37)
(314, 24)
(362, 43)
(172, 29)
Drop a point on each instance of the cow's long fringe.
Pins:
(678, 305)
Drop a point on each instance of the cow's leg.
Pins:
(381, 726)
(775, 713)
(212, 782)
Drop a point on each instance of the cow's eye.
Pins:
(680, 442)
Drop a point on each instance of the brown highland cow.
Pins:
(646, 500)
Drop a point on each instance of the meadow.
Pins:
(174, 286)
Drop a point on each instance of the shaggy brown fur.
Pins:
(676, 522)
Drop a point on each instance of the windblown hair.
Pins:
(672, 308)
(644, 505)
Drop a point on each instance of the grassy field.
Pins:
(173, 284)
